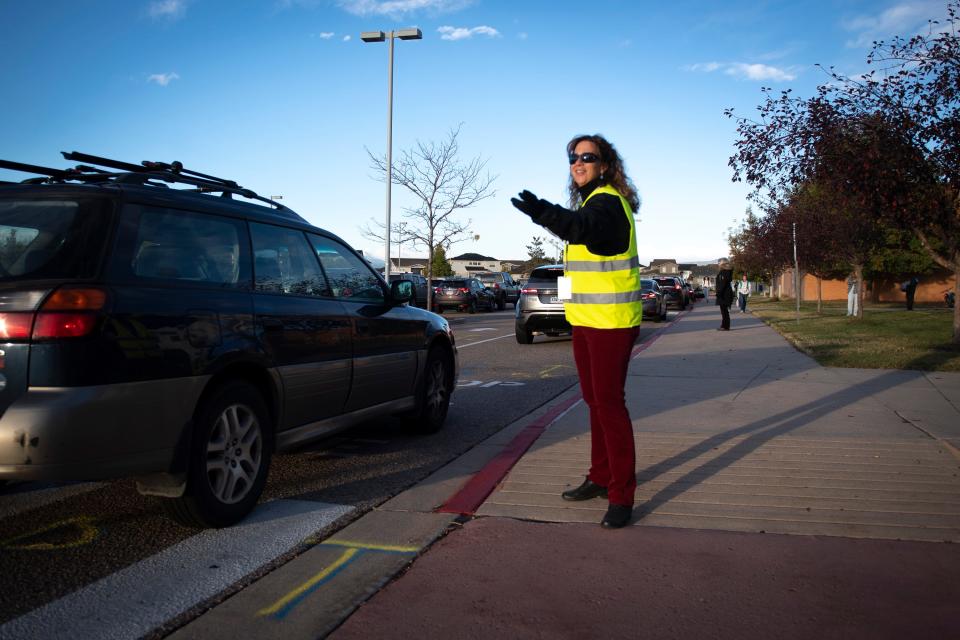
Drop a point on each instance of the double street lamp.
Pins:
(380, 36)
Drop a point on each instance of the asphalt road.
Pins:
(57, 539)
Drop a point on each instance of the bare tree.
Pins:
(442, 185)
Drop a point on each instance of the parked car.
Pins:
(504, 287)
(464, 294)
(182, 336)
(688, 291)
(539, 310)
(698, 292)
(654, 300)
(673, 288)
(419, 287)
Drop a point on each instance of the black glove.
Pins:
(529, 204)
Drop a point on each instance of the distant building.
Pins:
(663, 266)
(409, 265)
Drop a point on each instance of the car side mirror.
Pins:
(401, 291)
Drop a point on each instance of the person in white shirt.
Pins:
(743, 293)
(853, 295)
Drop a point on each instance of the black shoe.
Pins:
(587, 491)
(618, 515)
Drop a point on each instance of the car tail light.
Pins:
(676, 286)
(463, 290)
(63, 325)
(528, 290)
(647, 296)
(496, 285)
(438, 290)
(16, 325)
(70, 312)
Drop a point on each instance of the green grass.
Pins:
(888, 336)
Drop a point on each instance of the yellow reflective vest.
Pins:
(606, 289)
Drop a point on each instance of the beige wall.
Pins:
(930, 289)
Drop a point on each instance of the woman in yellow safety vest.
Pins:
(604, 307)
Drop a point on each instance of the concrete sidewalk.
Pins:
(777, 498)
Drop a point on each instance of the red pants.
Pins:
(602, 357)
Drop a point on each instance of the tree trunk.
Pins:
(956, 304)
(858, 273)
(819, 295)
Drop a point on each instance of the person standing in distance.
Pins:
(743, 293)
(604, 307)
(724, 293)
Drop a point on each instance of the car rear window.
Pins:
(546, 273)
(454, 284)
(52, 239)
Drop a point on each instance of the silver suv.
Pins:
(504, 287)
(539, 310)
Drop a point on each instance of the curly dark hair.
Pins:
(615, 175)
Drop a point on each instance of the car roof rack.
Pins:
(100, 170)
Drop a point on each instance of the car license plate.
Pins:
(554, 299)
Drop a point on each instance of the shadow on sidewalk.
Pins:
(758, 432)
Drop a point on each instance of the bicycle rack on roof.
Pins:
(146, 173)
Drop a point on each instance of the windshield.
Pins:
(51, 238)
(546, 273)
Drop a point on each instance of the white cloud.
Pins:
(346, 38)
(522, 35)
(903, 19)
(163, 79)
(326, 35)
(463, 33)
(167, 9)
(401, 7)
(759, 72)
(744, 70)
(704, 66)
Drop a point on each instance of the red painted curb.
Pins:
(469, 498)
(471, 495)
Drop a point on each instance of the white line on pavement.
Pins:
(136, 600)
(464, 346)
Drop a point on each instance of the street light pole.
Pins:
(380, 36)
(796, 271)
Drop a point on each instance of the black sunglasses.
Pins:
(585, 158)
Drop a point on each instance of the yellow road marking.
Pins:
(282, 602)
(372, 547)
(546, 372)
(88, 533)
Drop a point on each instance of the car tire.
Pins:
(433, 394)
(501, 304)
(472, 307)
(524, 336)
(229, 459)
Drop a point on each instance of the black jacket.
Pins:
(601, 224)
(724, 290)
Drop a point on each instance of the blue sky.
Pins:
(283, 97)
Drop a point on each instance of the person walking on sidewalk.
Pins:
(743, 293)
(724, 293)
(604, 307)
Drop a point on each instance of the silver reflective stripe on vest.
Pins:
(607, 298)
(604, 265)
